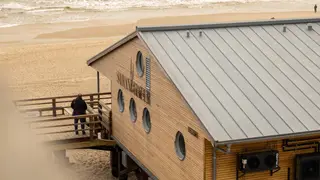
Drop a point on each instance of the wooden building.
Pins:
(218, 101)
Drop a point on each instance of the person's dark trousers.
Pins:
(82, 120)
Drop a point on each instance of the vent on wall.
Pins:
(148, 74)
(284, 29)
(310, 27)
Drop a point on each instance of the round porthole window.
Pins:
(180, 146)
(133, 111)
(120, 101)
(146, 120)
(139, 64)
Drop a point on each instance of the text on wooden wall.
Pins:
(133, 87)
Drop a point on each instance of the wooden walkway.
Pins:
(51, 119)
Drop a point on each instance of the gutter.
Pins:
(269, 138)
(214, 161)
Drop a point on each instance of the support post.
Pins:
(110, 125)
(54, 107)
(98, 84)
(119, 161)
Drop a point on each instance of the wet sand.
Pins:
(50, 60)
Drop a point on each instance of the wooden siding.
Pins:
(208, 160)
(226, 163)
(169, 114)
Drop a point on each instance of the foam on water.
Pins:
(116, 4)
(14, 5)
(50, 11)
(7, 25)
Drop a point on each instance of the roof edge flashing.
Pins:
(112, 47)
(226, 24)
(269, 138)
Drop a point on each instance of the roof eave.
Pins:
(268, 138)
(112, 48)
(228, 24)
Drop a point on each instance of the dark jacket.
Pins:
(79, 106)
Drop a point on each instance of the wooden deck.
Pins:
(51, 119)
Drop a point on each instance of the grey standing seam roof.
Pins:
(245, 80)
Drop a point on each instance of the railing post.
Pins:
(91, 99)
(99, 111)
(95, 125)
(91, 128)
(54, 110)
(98, 84)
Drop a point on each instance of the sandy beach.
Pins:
(50, 59)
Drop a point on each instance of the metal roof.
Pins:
(245, 80)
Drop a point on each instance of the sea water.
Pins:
(16, 12)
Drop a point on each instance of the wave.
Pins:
(98, 5)
(15, 12)
(15, 5)
(8, 25)
(43, 10)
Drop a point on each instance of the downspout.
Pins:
(214, 158)
(214, 162)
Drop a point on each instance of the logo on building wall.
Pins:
(129, 84)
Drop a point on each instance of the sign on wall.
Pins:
(132, 86)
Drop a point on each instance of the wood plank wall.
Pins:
(169, 114)
(226, 163)
(208, 160)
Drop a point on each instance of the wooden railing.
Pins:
(105, 116)
(98, 113)
(54, 106)
(93, 129)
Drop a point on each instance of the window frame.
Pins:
(133, 110)
(180, 151)
(121, 104)
(146, 120)
(139, 64)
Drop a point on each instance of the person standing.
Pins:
(315, 8)
(79, 107)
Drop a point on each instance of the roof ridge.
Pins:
(226, 24)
